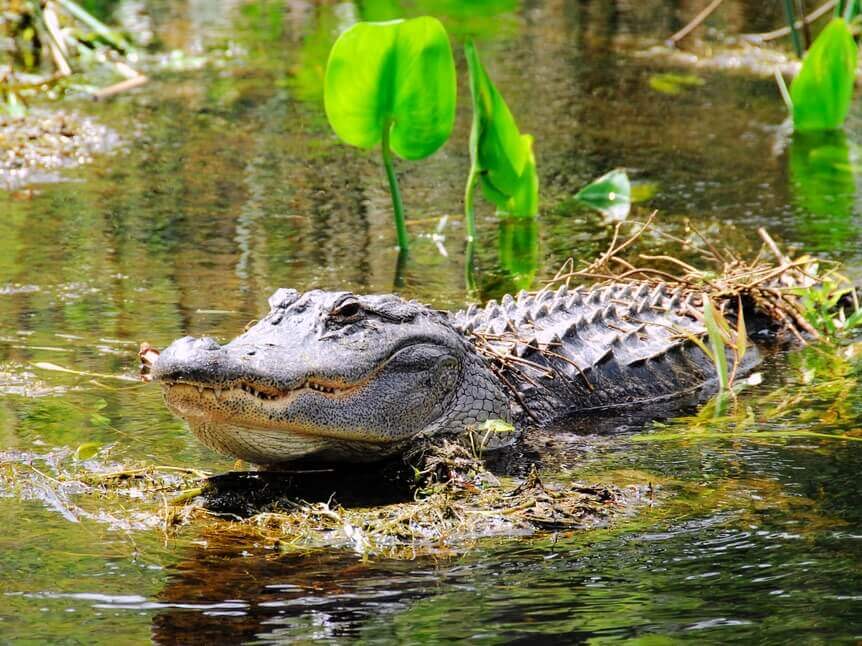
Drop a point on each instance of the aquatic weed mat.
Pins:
(458, 505)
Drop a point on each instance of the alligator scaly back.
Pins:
(580, 350)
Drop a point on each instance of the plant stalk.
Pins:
(806, 30)
(469, 211)
(791, 23)
(397, 204)
(470, 269)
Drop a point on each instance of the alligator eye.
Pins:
(347, 310)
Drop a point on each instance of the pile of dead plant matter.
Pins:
(771, 282)
(457, 504)
(50, 43)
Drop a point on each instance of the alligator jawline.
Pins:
(270, 394)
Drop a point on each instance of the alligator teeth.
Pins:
(200, 390)
(217, 391)
(321, 389)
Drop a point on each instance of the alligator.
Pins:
(334, 376)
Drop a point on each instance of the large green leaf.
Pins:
(397, 75)
(823, 89)
(501, 155)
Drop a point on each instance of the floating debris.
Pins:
(37, 145)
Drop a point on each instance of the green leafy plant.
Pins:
(720, 338)
(820, 95)
(611, 194)
(392, 84)
(822, 307)
(502, 160)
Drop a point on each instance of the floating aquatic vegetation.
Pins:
(673, 84)
(455, 503)
(38, 144)
(610, 194)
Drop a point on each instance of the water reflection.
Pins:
(823, 170)
(519, 251)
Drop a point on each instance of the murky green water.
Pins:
(231, 185)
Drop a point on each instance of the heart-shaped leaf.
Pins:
(822, 91)
(611, 194)
(398, 75)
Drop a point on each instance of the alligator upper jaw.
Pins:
(263, 392)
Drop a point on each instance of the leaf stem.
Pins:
(791, 23)
(397, 204)
(470, 269)
(469, 212)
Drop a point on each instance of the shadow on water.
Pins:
(232, 185)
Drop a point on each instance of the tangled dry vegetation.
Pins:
(771, 283)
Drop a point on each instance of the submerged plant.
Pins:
(501, 158)
(392, 84)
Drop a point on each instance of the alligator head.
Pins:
(330, 376)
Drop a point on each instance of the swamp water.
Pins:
(231, 184)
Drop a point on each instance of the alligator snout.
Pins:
(198, 360)
(204, 362)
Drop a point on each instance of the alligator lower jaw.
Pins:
(272, 448)
(236, 407)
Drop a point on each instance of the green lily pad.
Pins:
(611, 194)
(398, 75)
(87, 451)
